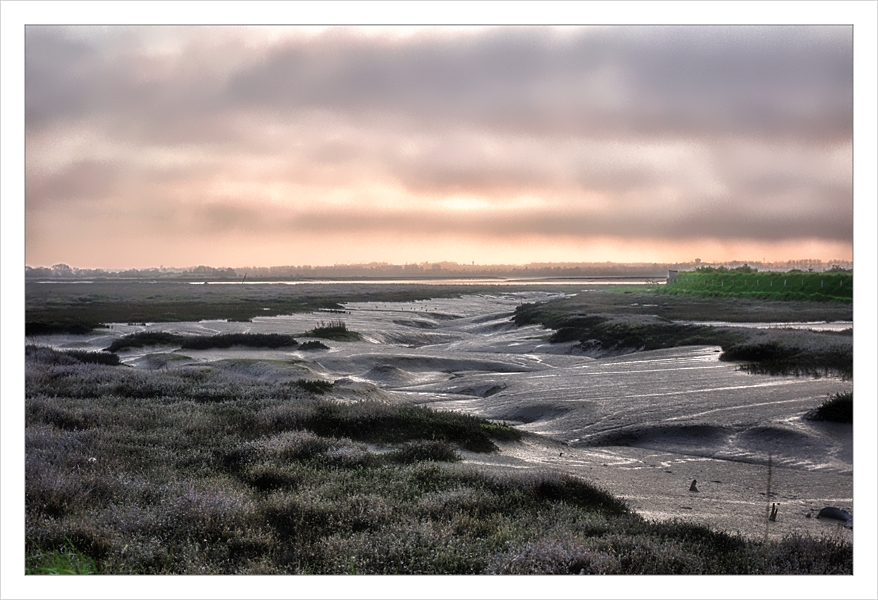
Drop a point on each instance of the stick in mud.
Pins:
(767, 500)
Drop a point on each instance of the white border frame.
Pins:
(863, 15)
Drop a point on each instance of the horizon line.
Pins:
(443, 264)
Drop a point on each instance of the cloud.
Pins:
(659, 132)
(790, 81)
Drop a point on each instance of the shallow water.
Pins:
(812, 325)
(648, 420)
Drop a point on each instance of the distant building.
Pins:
(672, 276)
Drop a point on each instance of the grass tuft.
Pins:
(335, 329)
(838, 408)
(64, 561)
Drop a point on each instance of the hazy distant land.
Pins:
(441, 270)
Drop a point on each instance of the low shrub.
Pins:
(334, 330)
(839, 408)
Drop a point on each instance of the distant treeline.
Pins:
(65, 272)
(836, 285)
(421, 270)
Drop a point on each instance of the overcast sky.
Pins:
(236, 146)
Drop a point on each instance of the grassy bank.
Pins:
(770, 351)
(793, 285)
(193, 470)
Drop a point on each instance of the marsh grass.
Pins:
(145, 338)
(48, 354)
(214, 471)
(68, 327)
(764, 351)
(335, 329)
(839, 408)
(201, 342)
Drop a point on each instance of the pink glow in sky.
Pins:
(233, 146)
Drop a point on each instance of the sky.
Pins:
(153, 146)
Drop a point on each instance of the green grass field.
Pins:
(792, 285)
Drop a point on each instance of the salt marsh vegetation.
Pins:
(446, 439)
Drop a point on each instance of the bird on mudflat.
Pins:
(692, 487)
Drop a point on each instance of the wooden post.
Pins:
(767, 500)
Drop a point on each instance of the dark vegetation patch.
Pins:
(146, 338)
(227, 340)
(838, 408)
(73, 327)
(47, 355)
(334, 330)
(817, 354)
(201, 342)
(313, 345)
(208, 471)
